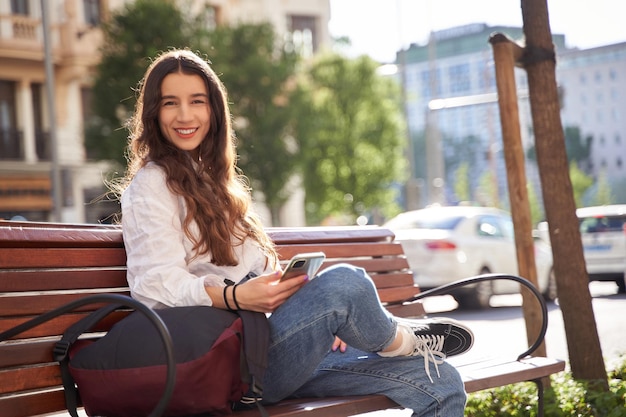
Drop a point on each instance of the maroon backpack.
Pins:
(220, 358)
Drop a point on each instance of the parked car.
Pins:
(443, 244)
(603, 234)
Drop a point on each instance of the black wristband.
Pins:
(235, 298)
(226, 299)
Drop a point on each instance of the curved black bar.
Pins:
(120, 301)
(446, 289)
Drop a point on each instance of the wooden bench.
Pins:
(45, 265)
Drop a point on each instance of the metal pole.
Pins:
(54, 153)
(413, 197)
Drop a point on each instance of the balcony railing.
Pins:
(25, 27)
(11, 144)
(21, 33)
(42, 144)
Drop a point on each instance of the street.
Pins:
(500, 330)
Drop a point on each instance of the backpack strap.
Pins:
(253, 358)
(62, 348)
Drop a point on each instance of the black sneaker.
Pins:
(442, 336)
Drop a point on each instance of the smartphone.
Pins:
(304, 264)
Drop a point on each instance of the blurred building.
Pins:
(452, 113)
(593, 82)
(453, 116)
(25, 154)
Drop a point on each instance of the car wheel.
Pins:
(621, 285)
(477, 297)
(550, 292)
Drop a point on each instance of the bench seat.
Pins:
(46, 265)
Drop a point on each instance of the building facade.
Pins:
(451, 109)
(453, 115)
(594, 99)
(27, 162)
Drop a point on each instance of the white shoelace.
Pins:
(431, 348)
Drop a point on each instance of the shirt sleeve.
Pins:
(157, 259)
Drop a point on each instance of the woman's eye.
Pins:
(169, 103)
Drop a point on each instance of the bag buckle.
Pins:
(60, 350)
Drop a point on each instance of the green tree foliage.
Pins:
(257, 71)
(602, 193)
(461, 182)
(578, 149)
(487, 191)
(580, 183)
(536, 210)
(134, 34)
(352, 139)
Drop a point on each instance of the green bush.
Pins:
(565, 397)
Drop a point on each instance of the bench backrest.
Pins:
(45, 265)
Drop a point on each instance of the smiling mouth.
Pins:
(186, 131)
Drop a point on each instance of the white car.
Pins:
(603, 234)
(444, 244)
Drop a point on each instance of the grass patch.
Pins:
(566, 397)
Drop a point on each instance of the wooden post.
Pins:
(506, 53)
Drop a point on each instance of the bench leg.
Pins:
(539, 384)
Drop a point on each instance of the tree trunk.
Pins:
(584, 349)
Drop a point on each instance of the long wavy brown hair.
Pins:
(217, 195)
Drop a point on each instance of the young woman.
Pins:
(190, 232)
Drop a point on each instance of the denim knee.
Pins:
(346, 280)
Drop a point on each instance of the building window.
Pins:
(431, 86)
(459, 78)
(42, 137)
(20, 7)
(209, 16)
(10, 137)
(619, 163)
(303, 34)
(583, 79)
(92, 12)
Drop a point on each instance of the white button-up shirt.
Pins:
(162, 269)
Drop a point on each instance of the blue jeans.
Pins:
(342, 301)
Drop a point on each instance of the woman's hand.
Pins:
(264, 293)
(339, 344)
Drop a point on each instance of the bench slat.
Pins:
(28, 378)
(312, 235)
(325, 407)
(27, 305)
(62, 279)
(33, 404)
(61, 257)
(346, 250)
(494, 374)
(407, 310)
(31, 234)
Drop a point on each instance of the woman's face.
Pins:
(184, 111)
